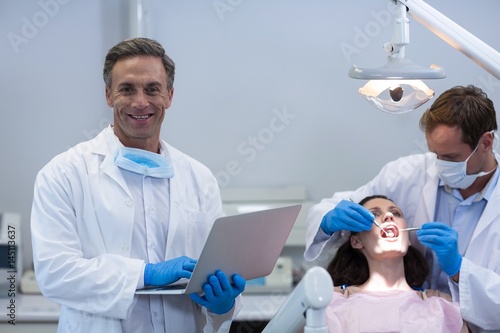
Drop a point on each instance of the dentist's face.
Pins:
(139, 98)
(375, 244)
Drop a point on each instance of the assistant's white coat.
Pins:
(82, 222)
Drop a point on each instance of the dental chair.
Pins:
(304, 310)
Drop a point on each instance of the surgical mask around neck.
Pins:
(143, 162)
(454, 174)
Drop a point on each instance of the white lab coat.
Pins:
(412, 183)
(82, 222)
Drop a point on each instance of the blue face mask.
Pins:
(143, 162)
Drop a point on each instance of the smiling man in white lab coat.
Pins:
(126, 210)
(452, 193)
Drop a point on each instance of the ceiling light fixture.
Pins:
(396, 87)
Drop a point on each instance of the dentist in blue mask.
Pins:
(452, 193)
(126, 210)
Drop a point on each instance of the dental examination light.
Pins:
(396, 87)
(305, 307)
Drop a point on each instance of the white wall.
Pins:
(240, 64)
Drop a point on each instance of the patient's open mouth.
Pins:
(391, 231)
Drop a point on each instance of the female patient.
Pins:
(376, 273)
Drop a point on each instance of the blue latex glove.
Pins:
(219, 292)
(347, 215)
(443, 240)
(169, 271)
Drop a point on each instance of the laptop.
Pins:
(247, 244)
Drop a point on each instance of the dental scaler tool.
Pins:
(375, 222)
(378, 225)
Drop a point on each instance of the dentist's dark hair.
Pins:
(467, 107)
(138, 47)
(350, 267)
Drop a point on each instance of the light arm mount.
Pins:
(398, 67)
(455, 35)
